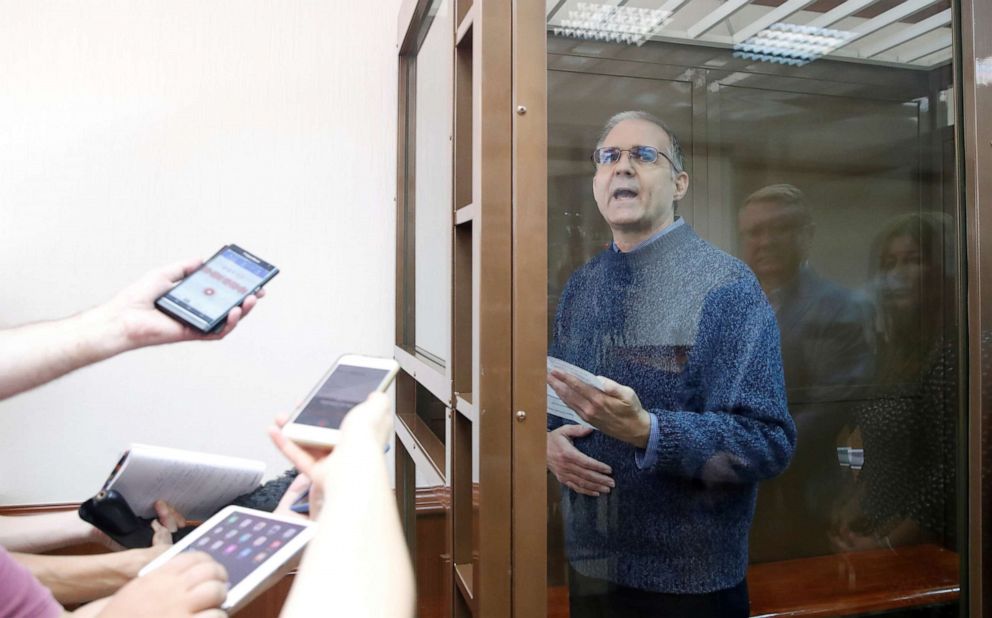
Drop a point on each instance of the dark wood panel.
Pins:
(839, 585)
(855, 583)
(269, 603)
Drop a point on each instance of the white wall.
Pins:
(133, 134)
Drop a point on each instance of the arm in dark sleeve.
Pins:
(736, 426)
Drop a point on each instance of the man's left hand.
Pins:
(615, 410)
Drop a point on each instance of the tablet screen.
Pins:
(346, 387)
(244, 541)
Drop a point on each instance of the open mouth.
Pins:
(624, 194)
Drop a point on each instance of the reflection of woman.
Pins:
(906, 487)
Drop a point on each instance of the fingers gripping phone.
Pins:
(348, 383)
(207, 295)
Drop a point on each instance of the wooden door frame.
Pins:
(973, 22)
(506, 227)
(530, 302)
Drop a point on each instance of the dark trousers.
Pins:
(589, 597)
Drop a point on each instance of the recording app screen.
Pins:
(343, 390)
(221, 284)
(242, 542)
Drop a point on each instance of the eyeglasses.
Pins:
(610, 155)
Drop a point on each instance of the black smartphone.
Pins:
(207, 295)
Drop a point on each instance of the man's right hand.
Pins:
(573, 468)
(190, 585)
(371, 419)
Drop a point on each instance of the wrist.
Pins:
(361, 432)
(136, 559)
(642, 432)
(101, 334)
(361, 439)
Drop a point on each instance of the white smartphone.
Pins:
(348, 383)
(256, 548)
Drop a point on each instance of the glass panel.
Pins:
(780, 346)
(433, 218)
(428, 195)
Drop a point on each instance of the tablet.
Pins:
(256, 548)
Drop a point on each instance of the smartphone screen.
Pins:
(207, 295)
(346, 387)
(242, 542)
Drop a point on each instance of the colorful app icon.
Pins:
(230, 549)
(259, 541)
(244, 553)
(216, 546)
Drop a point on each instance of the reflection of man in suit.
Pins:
(825, 350)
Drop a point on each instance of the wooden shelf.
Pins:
(424, 447)
(463, 578)
(465, 28)
(429, 374)
(464, 405)
(466, 214)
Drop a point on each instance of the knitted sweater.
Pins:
(689, 329)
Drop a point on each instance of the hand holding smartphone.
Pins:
(348, 383)
(205, 297)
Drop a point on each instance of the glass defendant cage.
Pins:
(835, 147)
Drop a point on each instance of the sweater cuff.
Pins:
(647, 457)
(679, 449)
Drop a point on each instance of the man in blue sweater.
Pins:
(659, 493)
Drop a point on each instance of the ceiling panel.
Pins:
(907, 33)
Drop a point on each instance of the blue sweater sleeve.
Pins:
(737, 428)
